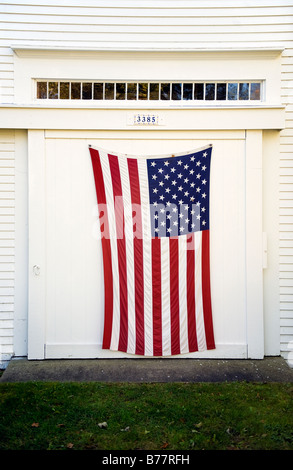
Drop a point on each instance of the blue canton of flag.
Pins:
(179, 190)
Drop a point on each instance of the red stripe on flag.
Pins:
(174, 295)
(190, 287)
(157, 293)
(206, 290)
(121, 247)
(106, 247)
(137, 253)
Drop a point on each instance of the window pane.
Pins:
(255, 91)
(143, 91)
(75, 90)
(221, 91)
(64, 90)
(210, 91)
(109, 91)
(198, 91)
(131, 91)
(232, 91)
(87, 93)
(243, 91)
(176, 91)
(42, 90)
(187, 91)
(120, 91)
(165, 91)
(154, 91)
(98, 91)
(53, 90)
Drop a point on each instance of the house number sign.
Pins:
(145, 119)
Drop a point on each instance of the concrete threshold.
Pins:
(269, 369)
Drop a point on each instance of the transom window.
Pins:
(149, 91)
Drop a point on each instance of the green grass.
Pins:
(57, 416)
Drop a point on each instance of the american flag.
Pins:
(154, 228)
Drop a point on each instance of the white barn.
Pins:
(65, 67)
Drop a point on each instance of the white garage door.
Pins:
(66, 310)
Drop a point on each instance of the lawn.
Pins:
(93, 416)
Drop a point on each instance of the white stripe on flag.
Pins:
(113, 241)
(147, 256)
(183, 293)
(200, 329)
(166, 306)
(124, 175)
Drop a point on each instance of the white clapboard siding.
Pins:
(286, 209)
(152, 25)
(7, 239)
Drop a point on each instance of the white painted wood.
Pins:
(74, 317)
(139, 134)
(213, 118)
(122, 22)
(37, 244)
(21, 244)
(271, 300)
(209, 24)
(25, 21)
(164, 10)
(7, 243)
(286, 213)
(165, 26)
(183, 38)
(86, 65)
(207, 4)
(75, 351)
(254, 245)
